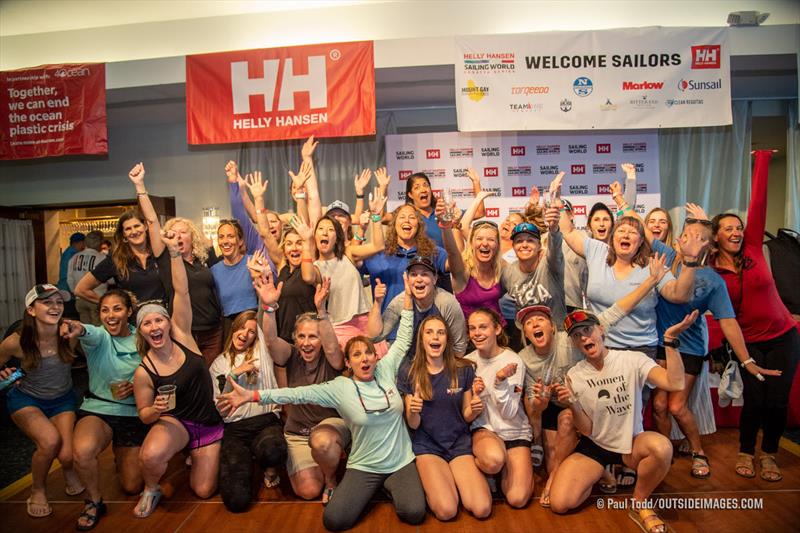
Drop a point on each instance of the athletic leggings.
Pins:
(766, 403)
(357, 487)
(259, 437)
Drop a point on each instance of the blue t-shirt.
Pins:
(235, 287)
(389, 269)
(637, 328)
(442, 422)
(710, 294)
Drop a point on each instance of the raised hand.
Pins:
(535, 195)
(232, 172)
(629, 169)
(360, 181)
(416, 402)
(322, 293)
(478, 386)
(507, 371)
(484, 194)
(268, 294)
(254, 183)
(551, 217)
(136, 174)
(302, 228)
(228, 402)
(257, 263)
(379, 293)
(658, 266)
(473, 177)
(376, 201)
(692, 243)
(308, 148)
(247, 366)
(303, 174)
(170, 239)
(363, 219)
(383, 178)
(676, 329)
(616, 189)
(695, 211)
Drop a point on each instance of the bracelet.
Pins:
(270, 308)
(376, 217)
(261, 210)
(322, 316)
(306, 260)
(360, 239)
(141, 193)
(300, 196)
(359, 196)
(256, 397)
(624, 210)
(748, 361)
(233, 375)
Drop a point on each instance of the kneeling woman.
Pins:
(604, 392)
(174, 393)
(371, 406)
(439, 406)
(501, 439)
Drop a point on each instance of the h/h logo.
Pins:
(315, 83)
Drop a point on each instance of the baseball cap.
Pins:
(526, 227)
(77, 237)
(528, 310)
(421, 261)
(579, 318)
(567, 205)
(340, 205)
(39, 292)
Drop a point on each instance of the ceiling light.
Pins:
(746, 18)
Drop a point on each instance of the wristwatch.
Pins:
(675, 343)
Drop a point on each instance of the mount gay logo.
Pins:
(603, 148)
(519, 191)
(517, 150)
(315, 83)
(403, 174)
(641, 86)
(706, 56)
(492, 212)
(577, 169)
(490, 172)
(433, 154)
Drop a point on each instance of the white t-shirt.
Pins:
(265, 379)
(503, 412)
(612, 397)
(82, 263)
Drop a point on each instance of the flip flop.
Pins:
(73, 491)
(626, 474)
(147, 503)
(38, 510)
(327, 494)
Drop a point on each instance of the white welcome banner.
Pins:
(510, 165)
(629, 78)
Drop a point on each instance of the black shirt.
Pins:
(153, 282)
(206, 310)
(297, 297)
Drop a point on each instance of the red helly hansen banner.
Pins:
(327, 90)
(53, 110)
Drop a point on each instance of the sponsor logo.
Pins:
(548, 149)
(461, 193)
(634, 148)
(404, 174)
(533, 89)
(497, 191)
(706, 56)
(677, 101)
(642, 86)
(492, 212)
(71, 72)
(639, 167)
(490, 151)
(460, 152)
(609, 106)
(520, 210)
(474, 92)
(548, 170)
(579, 210)
(401, 195)
(578, 189)
(435, 173)
(603, 148)
(582, 86)
(489, 62)
(314, 82)
(517, 150)
(577, 169)
(577, 148)
(604, 168)
(519, 171)
(528, 106)
(460, 173)
(433, 154)
(519, 191)
(643, 102)
(641, 187)
(566, 105)
(404, 154)
(603, 188)
(437, 193)
(491, 172)
(694, 85)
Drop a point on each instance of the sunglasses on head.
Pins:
(576, 317)
(703, 221)
(479, 223)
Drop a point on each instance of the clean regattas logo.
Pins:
(518, 171)
(603, 148)
(548, 149)
(433, 153)
(604, 168)
(579, 210)
(490, 151)
(548, 170)
(460, 152)
(404, 154)
(517, 150)
(642, 85)
(577, 169)
(578, 190)
(706, 56)
(492, 212)
(519, 191)
(577, 148)
(491, 172)
(634, 148)
(404, 174)
(603, 188)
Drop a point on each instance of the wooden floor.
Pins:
(276, 510)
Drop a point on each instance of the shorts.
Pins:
(426, 446)
(517, 443)
(200, 434)
(692, 364)
(16, 400)
(597, 453)
(299, 450)
(127, 431)
(550, 416)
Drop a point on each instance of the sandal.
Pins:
(92, 519)
(745, 466)
(327, 494)
(626, 477)
(684, 448)
(74, 490)
(38, 510)
(537, 455)
(769, 468)
(544, 499)
(648, 521)
(147, 503)
(271, 480)
(607, 483)
(700, 467)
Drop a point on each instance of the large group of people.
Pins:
(475, 353)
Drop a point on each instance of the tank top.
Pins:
(194, 396)
(297, 297)
(51, 379)
(474, 296)
(347, 298)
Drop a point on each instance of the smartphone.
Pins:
(10, 380)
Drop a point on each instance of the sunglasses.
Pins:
(526, 226)
(360, 399)
(578, 316)
(704, 222)
(479, 223)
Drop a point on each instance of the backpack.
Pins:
(784, 256)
